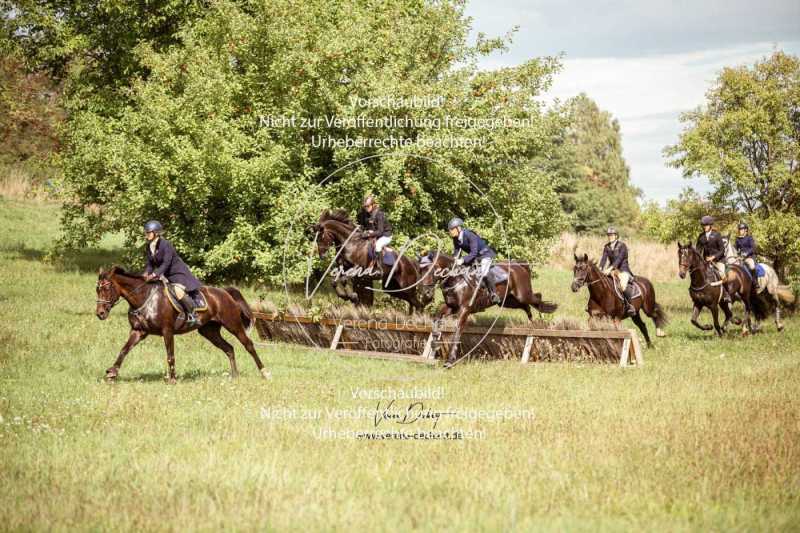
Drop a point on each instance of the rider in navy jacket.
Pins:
(470, 242)
(162, 259)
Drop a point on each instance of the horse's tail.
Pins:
(244, 309)
(543, 306)
(659, 316)
(786, 295)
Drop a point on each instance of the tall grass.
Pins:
(653, 260)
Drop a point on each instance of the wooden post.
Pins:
(637, 348)
(337, 336)
(428, 352)
(626, 348)
(526, 351)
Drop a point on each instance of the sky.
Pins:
(643, 61)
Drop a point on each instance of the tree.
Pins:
(595, 189)
(746, 141)
(181, 137)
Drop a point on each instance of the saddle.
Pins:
(636, 289)
(200, 303)
(388, 255)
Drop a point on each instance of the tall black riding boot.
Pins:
(626, 297)
(488, 282)
(188, 305)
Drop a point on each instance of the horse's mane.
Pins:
(120, 271)
(338, 215)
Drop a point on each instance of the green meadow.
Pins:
(705, 436)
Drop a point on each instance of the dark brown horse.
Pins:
(706, 288)
(152, 313)
(335, 230)
(605, 301)
(464, 295)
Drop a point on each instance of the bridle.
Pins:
(691, 270)
(106, 283)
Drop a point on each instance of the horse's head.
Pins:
(429, 263)
(580, 272)
(107, 293)
(686, 259)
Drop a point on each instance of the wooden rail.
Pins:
(342, 331)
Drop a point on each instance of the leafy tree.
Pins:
(746, 141)
(183, 140)
(595, 189)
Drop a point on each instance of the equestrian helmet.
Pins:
(154, 226)
(743, 225)
(455, 222)
(612, 231)
(707, 221)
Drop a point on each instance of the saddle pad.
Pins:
(760, 271)
(200, 303)
(499, 274)
(389, 256)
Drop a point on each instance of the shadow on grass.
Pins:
(153, 377)
(87, 260)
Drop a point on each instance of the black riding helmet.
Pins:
(154, 226)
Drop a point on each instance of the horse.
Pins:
(151, 313)
(768, 284)
(606, 301)
(706, 288)
(464, 295)
(335, 230)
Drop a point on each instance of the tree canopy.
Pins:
(746, 141)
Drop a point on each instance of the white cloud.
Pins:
(647, 95)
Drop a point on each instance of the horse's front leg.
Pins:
(134, 338)
(695, 315)
(452, 358)
(169, 343)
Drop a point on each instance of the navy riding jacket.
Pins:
(473, 244)
(616, 257)
(166, 261)
(375, 223)
(746, 246)
(711, 246)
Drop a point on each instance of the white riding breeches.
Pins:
(380, 242)
(485, 266)
(750, 262)
(624, 278)
(720, 266)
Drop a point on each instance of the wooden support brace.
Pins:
(336, 336)
(624, 354)
(428, 352)
(637, 348)
(526, 352)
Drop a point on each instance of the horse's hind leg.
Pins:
(643, 328)
(527, 309)
(241, 334)
(134, 338)
(778, 323)
(169, 344)
(715, 316)
(211, 332)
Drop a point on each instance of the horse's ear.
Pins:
(585, 257)
(101, 271)
(575, 255)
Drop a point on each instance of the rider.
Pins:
(710, 244)
(465, 240)
(615, 252)
(746, 247)
(373, 220)
(162, 259)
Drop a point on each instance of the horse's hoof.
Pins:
(449, 364)
(660, 333)
(266, 374)
(780, 327)
(111, 374)
(172, 381)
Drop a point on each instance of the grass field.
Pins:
(705, 436)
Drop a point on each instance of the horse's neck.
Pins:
(597, 286)
(698, 270)
(340, 231)
(132, 289)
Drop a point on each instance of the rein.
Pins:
(106, 283)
